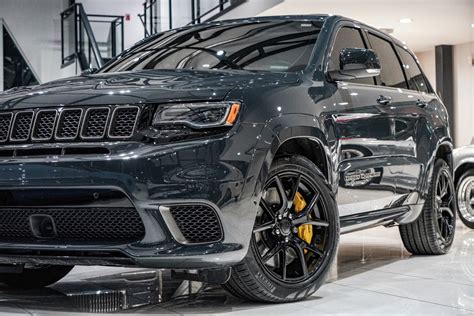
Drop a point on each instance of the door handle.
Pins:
(421, 103)
(383, 100)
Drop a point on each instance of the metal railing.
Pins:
(79, 41)
(159, 15)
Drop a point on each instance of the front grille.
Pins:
(74, 224)
(197, 223)
(69, 124)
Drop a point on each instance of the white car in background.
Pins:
(464, 182)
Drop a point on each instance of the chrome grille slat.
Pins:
(69, 124)
(92, 123)
(5, 124)
(95, 123)
(45, 122)
(124, 120)
(21, 126)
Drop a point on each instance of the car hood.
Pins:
(151, 86)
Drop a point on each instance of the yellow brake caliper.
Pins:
(305, 231)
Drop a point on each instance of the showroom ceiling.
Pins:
(422, 24)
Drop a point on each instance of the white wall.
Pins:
(428, 63)
(250, 8)
(464, 93)
(133, 28)
(35, 25)
(463, 73)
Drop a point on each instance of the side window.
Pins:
(347, 37)
(416, 80)
(392, 73)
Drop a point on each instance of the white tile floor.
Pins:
(373, 275)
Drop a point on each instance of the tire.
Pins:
(254, 278)
(464, 195)
(433, 232)
(33, 278)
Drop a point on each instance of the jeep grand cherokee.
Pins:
(233, 152)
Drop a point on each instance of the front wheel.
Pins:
(465, 197)
(33, 277)
(433, 232)
(294, 238)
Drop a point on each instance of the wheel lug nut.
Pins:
(277, 231)
(295, 230)
(280, 217)
(287, 239)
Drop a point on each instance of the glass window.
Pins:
(416, 80)
(280, 46)
(392, 73)
(347, 37)
(16, 72)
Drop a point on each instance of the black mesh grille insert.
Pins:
(74, 224)
(95, 123)
(22, 126)
(197, 223)
(5, 122)
(68, 126)
(123, 122)
(44, 125)
(89, 123)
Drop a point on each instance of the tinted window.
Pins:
(347, 37)
(281, 46)
(392, 73)
(416, 81)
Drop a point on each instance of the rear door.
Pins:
(404, 114)
(416, 113)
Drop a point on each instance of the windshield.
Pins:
(282, 46)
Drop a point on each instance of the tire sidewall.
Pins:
(440, 166)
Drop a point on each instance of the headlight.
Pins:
(198, 115)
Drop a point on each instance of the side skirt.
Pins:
(370, 219)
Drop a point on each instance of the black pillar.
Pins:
(444, 80)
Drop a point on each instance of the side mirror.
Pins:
(356, 63)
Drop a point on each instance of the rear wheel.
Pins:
(433, 232)
(294, 237)
(36, 276)
(465, 198)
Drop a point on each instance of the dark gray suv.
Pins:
(232, 152)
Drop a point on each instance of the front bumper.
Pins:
(217, 172)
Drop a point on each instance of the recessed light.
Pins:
(472, 25)
(406, 20)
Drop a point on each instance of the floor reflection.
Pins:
(361, 255)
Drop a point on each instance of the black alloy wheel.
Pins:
(444, 207)
(294, 238)
(276, 235)
(432, 233)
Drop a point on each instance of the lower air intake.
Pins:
(197, 223)
(110, 225)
